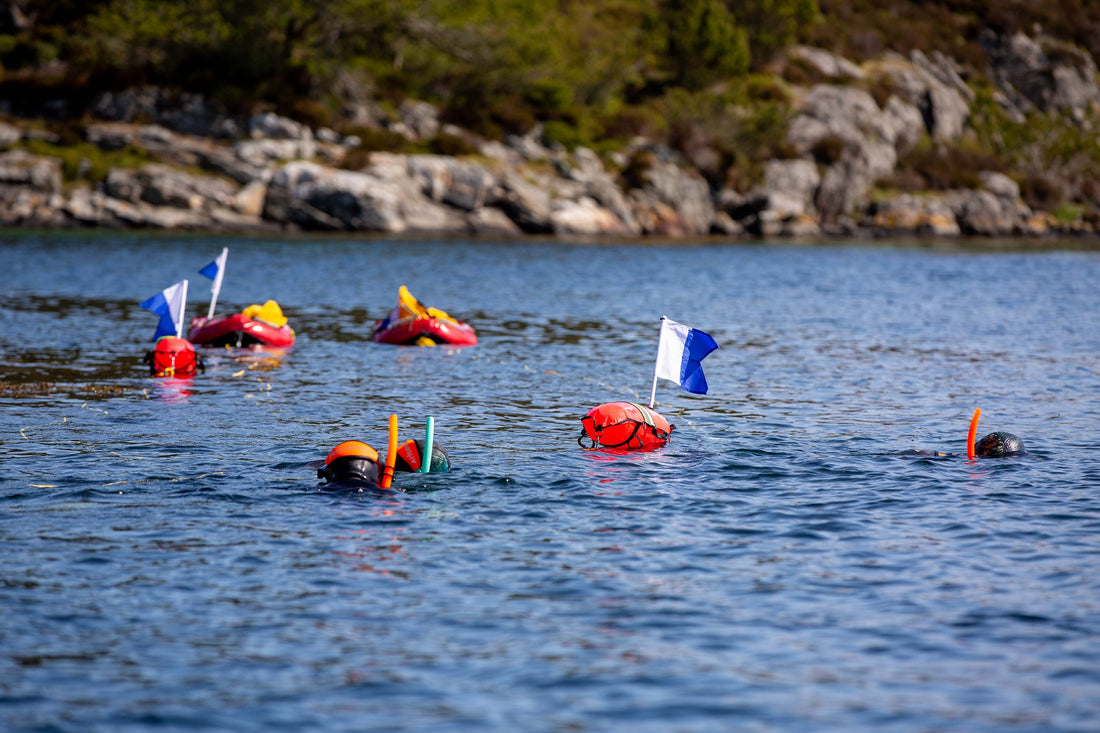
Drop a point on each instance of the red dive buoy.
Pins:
(625, 426)
(173, 357)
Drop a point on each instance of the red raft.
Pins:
(257, 325)
(624, 426)
(411, 324)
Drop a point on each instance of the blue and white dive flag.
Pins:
(215, 271)
(171, 305)
(680, 350)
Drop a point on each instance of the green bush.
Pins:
(944, 167)
(86, 162)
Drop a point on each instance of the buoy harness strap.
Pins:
(597, 430)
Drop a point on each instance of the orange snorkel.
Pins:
(391, 454)
(973, 432)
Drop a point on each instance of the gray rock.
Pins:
(269, 125)
(226, 162)
(265, 152)
(38, 173)
(1000, 186)
(420, 119)
(9, 134)
(905, 122)
(424, 215)
(165, 186)
(491, 221)
(725, 224)
(1023, 70)
(790, 186)
(249, 201)
(982, 213)
(458, 183)
(184, 112)
(84, 206)
(922, 215)
(656, 217)
(316, 197)
(684, 192)
(122, 184)
(944, 109)
(529, 146)
(110, 135)
(943, 69)
(524, 203)
(828, 64)
(583, 217)
(127, 105)
(866, 136)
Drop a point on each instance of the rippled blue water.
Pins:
(168, 563)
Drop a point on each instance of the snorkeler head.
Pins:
(999, 445)
(352, 460)
(410, 457)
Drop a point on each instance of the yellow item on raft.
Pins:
(269, 312)
(410, 307)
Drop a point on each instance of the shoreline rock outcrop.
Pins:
(200, 169)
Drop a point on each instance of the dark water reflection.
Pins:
(779, 566)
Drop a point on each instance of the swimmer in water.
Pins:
(353, 465)
(998, 444)
(995, 445)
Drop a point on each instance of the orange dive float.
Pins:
(625, 426)
(173, 357)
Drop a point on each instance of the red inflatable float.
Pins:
(257, 324)
(412, 324)
(624, 426)
(173, 357)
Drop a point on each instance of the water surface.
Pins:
(169, 563)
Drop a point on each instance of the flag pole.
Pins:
(653, 389)
(217, 286)
(183, 312)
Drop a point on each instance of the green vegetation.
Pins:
(694, 74)
(1054, 157)
(496, 66)
(88, 162)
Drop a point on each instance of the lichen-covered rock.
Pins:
(684, 193)
(944, 109)
(790, 186)
(923, 215)
(9, 134)
(269, 125)
(524, 203)
(316, 197)
(36, 172)
(458, 183)
(828, 64)
(584, 216)
(1042, 73)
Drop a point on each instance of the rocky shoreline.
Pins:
(202, 170)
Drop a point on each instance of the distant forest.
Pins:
(595, 67)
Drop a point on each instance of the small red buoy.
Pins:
(624, 426)
(173, 357)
